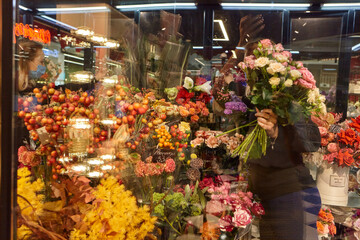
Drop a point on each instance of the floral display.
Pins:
(281, 84)
(325, 224)
(52, 71)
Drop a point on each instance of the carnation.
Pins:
(241, 217)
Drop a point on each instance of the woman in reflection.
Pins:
(31, 65)
(281, 179)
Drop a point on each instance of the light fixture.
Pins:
(84, 32)
(217, 47)
(294, 52)
(240, 48)
(76, 63)
(222, 27)
(198, 47)
(107, 167)
(74, 9)
(98, 38)
(196, 59)
(95, 174)
(234, 54)
(24, 8)
(356, 47)
(109, 80)
(156, 6)
(81, 77)
(340, 5)
(112, 44)
(58, 22)
(267, 6)
(95, 161)
(107, 157)
(73, 56)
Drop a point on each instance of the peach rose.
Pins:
(212, 142)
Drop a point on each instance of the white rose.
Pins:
(295, 74)
(277, 67)
(322, 98)
(281, 58)
(288, 83)
(270, 70)
(274, 81)
(261, 62)
(188, 83)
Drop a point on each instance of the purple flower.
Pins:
(236, 106)
(228, 111)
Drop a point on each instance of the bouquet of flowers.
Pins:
(325, 224)
(235, 209)
(52, 71)
(281, 84)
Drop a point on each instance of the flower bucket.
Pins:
(332, 182)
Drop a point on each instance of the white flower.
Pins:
(274, 81)
(204, 87)
(288, 83)
(323, 108)
(281, 58)
(311, 96)
(276, 67)
(270, 70)
(322, 98)
(295, 74)
(188, 83)
(261, 62)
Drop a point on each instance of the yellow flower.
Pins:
(184, 127)
(193, 156)
(188, 162)
(181, 158)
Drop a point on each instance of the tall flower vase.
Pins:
(332, 182)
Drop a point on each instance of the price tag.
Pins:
(160, 155)
(336, 181)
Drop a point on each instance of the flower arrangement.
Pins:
(325, 224)
(353, 221)
(236, 210)
(52, 71)
(281, 84)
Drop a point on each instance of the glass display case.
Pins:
(183, 120)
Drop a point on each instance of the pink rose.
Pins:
(258, 209)
(212, 142)
(197, 142)
(242, 65)
(241, 217)
(279, 47)
(250, 61)
(333, 147)
(285, 64)
(323, 131)
(299, 65)
(266, 43)
(225, 223)
(307, 75)
(305, 84)
(286, 54)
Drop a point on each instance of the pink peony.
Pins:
(241, 217)
(226, 224)
(266, 43)
(323, 131)
(304, 83)
(170, 165)
(333, 147)
(212, 142)
(258, 209)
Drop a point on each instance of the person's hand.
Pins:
(249, 28)
(267, 119)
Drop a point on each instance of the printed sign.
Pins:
(160, 155)
(336, 181)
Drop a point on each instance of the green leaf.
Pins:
(187, 192)
(202, 199)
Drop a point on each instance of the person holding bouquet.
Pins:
(282, 95)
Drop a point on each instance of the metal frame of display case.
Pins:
(8, 155)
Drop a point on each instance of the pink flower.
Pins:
(212, 142)
(331, 157)
(266, 43)
(257, 209)
(304, 83)
(323, 131)
(299, 64)
(285, 64)
(140, 169)
(242, 65)
(206, 182)
(307, 75)
(333, 147)
(250, 61)
(225, 223)
(170, 165)
(197, 142)
(215, 207)
(286, 54)
(149, 159)
(279, 47)
(357, 224)
(241, 217)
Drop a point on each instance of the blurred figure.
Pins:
(31, 65)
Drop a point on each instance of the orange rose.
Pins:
(332, 229)
(183, 111)
(194, 118)
(192, 111)
(320, 227)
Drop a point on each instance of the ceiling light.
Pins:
(24, 8)
(217, 47)
(199, 61)
(74, 9)
(222, 26)
(294, 52)
(266, 6)
(234, 54)
(58, 22)
(340, 5)
(356, 47)
(156, 6)
(198, 47)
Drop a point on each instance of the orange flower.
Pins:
(320, 227)
(325, 216)
(192, 111)
(345, 157)
(210, 231)
(332, 229)
(194, 118)
(355, 123)
(183, 111)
